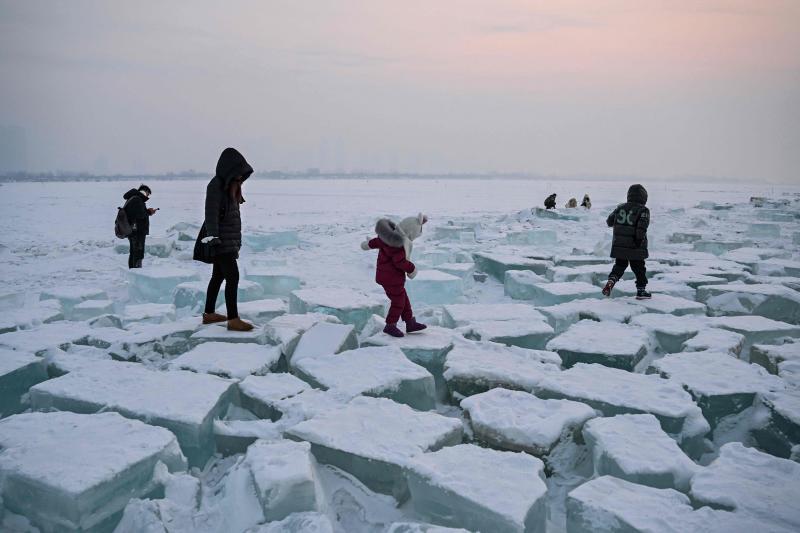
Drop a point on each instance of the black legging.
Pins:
(225, 268)
(136, 251)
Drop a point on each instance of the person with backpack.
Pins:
(138, 215)
(550, 201)
(630, 222)
(221, 237)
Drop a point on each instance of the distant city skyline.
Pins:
(572, 88)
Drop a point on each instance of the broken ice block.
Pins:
(261, 241)
(91, 309)
(540, 237)
(580, 260)
(764, 231)
(780, 432)
(756, 330)
(248, 291)
(681, 237)
(768, 300)
(751, 484)
(611, 505)
(433, 257)
(607, 343)
(562, 316)
(149, 313)
(12, 300)
(501, 492)
(477, 367)
(451, 233)
(770, 356)
(613, 392)
(155, 284)
(278, 281)
(519, 421)
(171, 338)
(670, 332)
(324, 338)
(72, 296)
(298, 523)
(464, 271)
(497, 264)
(378, 371)
(720, 384)
(259, 311)
(285, 330)
(692, 279)
(427, 350)
(76, 472)
(669, 305)
(19, 371)
(719, 247)
(779, 267)
(554, 214)
(159, 246)
(635, 448)
(457, 315)
(522, 287)
(183, 402)
(221, 333)
(228, 359)
(775, 215)
(349, 306)
(192, 294)
(715, 339)
(259, 394)
(285, 477)
(524, 333)
(39, 339)
(358, 439)
(42, 312)
(627, 287)
(415, 527)
(434, 287)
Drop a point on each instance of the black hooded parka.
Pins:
(223, 218)
(630, 221)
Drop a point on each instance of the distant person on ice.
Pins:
(223, 226)
(394, 245)
(139, 218)
(586, 203)
(572, 204)
(630, 221)
(550, 201)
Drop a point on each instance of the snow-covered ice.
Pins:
(524, 332)
(155, 284)
(349, 306)
(606, 343)
(635, 448)
(75, 472)
(19, 371)
(502, 492)
(496, 264)
(458, 315)
(228, 359)
(768, 300)
(770, 356)
(434, 287)
(377, 371)
(519, 421)
(359, 439)
(324, 338)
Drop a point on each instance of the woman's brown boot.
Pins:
(237, 324)
(213, 318)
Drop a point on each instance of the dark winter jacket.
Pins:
(550, 202)
(136, 212)
(392, 264)
(223, 218)
(630, 221)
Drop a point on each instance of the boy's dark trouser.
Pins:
(400, 305)
(225, 268)
(639, 270)
(136, 251)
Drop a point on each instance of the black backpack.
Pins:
(122, 226)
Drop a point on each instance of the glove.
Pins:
(365, 245)
(413, 273)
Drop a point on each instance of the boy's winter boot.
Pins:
(642, 294)
(609, 285)
(413, 326)
(392, 329)
(213, 318)
(237, 324)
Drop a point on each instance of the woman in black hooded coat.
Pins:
(223, 223)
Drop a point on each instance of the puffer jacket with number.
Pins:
(630, 221)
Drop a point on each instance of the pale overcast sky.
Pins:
(597, 87)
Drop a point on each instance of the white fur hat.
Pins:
(412, 226)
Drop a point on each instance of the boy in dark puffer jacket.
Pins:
(394, 251)
(630, 221)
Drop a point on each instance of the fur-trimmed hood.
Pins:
(389, 233)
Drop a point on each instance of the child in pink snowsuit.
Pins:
(394, 250)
